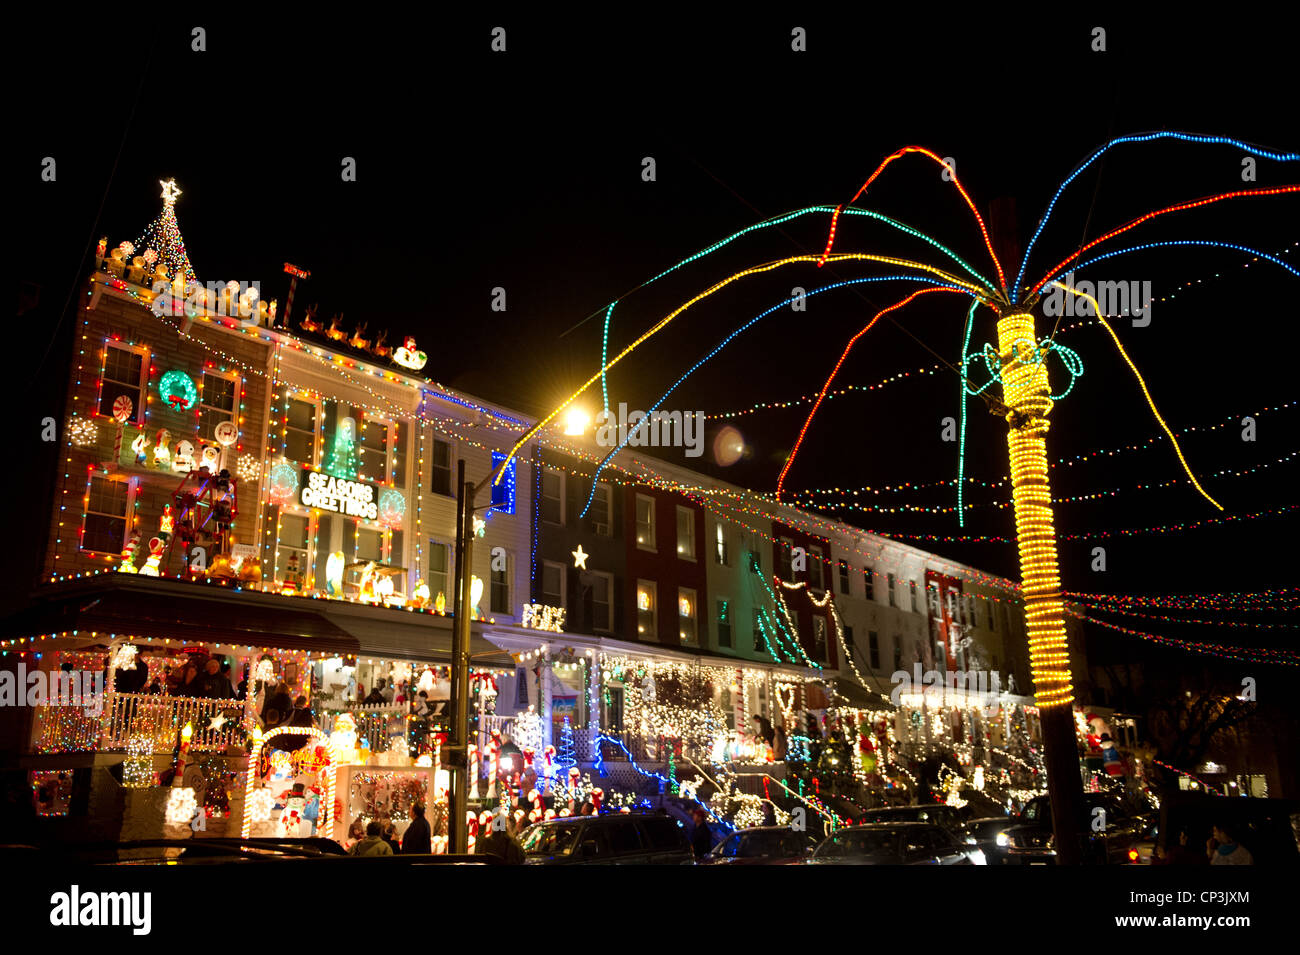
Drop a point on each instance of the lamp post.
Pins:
(457, 748)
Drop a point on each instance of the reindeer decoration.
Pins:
(380, 347)
(310, 323)
(358, 339)
(334, 331)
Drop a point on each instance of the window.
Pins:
(645, 522)
(893, 600)
(552, 584)
(439, 571)
(724, 622)
(381, 451)
(291, 562)
(501, 583)
(816, 569)
(784, 550)
(932, 594)
(623, 837)
(106, 510)
(370, 544)
(685, 533)
(124, 369)
(844, 577)
(602, 589)
(848, 637)
(216, 402)
(873, 649)
(916, 600)
(440, 472)
(600, 509)
(686, 613)
(646, 605)
(760, 645)
(819, 638)
(301, 422)
(720, 544)
(868, 584)
(552, 496)
(614, 708)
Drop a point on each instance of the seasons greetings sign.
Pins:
(338, 495)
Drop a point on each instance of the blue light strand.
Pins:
(1185, 137)
(604, 347)
(726, 341)
(600, 771)
(961, 433)
(1200, 242)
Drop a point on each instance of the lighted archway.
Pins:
(329, 770)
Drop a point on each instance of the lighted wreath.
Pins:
(177, 389)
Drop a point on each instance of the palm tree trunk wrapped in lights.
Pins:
(1026, 394)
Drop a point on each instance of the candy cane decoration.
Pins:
(494, 755)
(473, 830)
(122, 408)
(473, 762)
(599, 794)
(549, 753)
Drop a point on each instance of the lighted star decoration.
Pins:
(170, 193)
(580, 558)
(217, 721)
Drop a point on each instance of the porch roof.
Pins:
(156, 608)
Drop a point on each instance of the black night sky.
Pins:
(523, 170)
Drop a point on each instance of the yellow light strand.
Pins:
(1150, 401)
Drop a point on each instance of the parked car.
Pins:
(897, 843)
(612, 839)
(762, 845)
(983, 833)
(1029, 839)
(950, 817)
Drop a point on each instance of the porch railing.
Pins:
(217, 723)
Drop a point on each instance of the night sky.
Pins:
(523, 170)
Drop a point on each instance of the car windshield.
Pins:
(549, 840)
(862, 842)
(988, 828)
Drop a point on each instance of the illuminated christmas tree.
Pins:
(163, 236)
(564, 757)
(343, 459)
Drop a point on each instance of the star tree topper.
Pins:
(170, 193)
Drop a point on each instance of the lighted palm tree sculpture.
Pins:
(1019, 363)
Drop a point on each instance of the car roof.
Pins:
(886, 826)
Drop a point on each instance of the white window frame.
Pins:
(204, 406)
(448, 573)
(690, 524)
(137, 413)
(721, 550)
(509, 585)
(652, 588)
(316, 438)
(434, 469)
(541, 590)
(652, 544)
(124, 517)
(609, 615)
(694, 601)
(816, 559)
(559, 475)
(845, 571)
(605, 530)
(893, 599)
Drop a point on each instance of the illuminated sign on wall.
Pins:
(338, 495)
(503, 494)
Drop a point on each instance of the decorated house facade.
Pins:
(273, 504)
